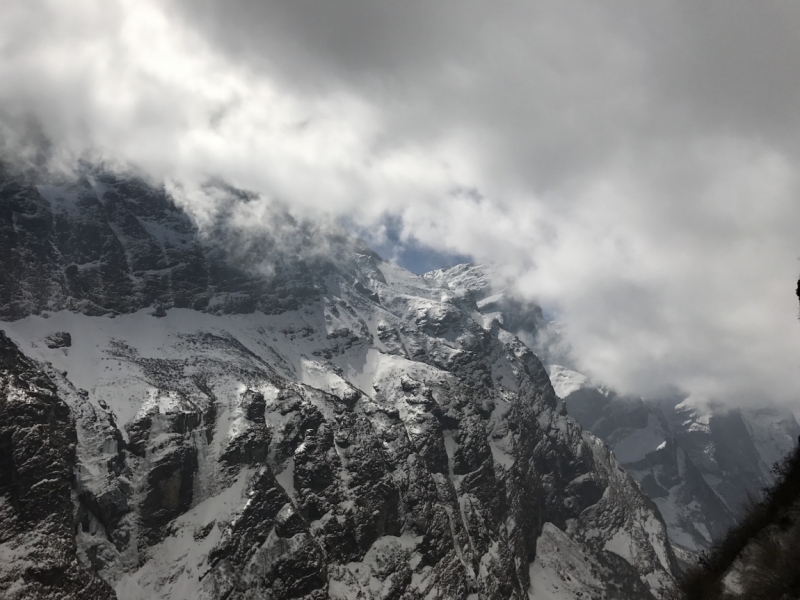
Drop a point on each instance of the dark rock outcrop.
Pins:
(37, 457)
(60, 339)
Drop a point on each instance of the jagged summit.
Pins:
(699, 464)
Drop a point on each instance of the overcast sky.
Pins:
(632, 165)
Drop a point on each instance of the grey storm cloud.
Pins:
(631, 165)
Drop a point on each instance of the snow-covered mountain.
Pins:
(223, 412)
(700, 464)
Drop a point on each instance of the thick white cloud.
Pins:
(633, 165)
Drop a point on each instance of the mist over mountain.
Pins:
(628, 166)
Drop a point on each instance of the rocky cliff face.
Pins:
(699, 464)
(38, 442)
(330, 427)
(105, 245)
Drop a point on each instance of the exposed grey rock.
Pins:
(37, 457)
(60, 339)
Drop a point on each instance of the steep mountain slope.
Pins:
(321, 425)
(758, 557)
(37, 457)
(699, 464)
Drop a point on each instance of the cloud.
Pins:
(633, 166)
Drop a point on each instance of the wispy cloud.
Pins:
(633, 165)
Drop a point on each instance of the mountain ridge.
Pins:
(329, 427)
(701, 464)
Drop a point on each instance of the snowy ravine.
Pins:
(698, 462)
(335, 427)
